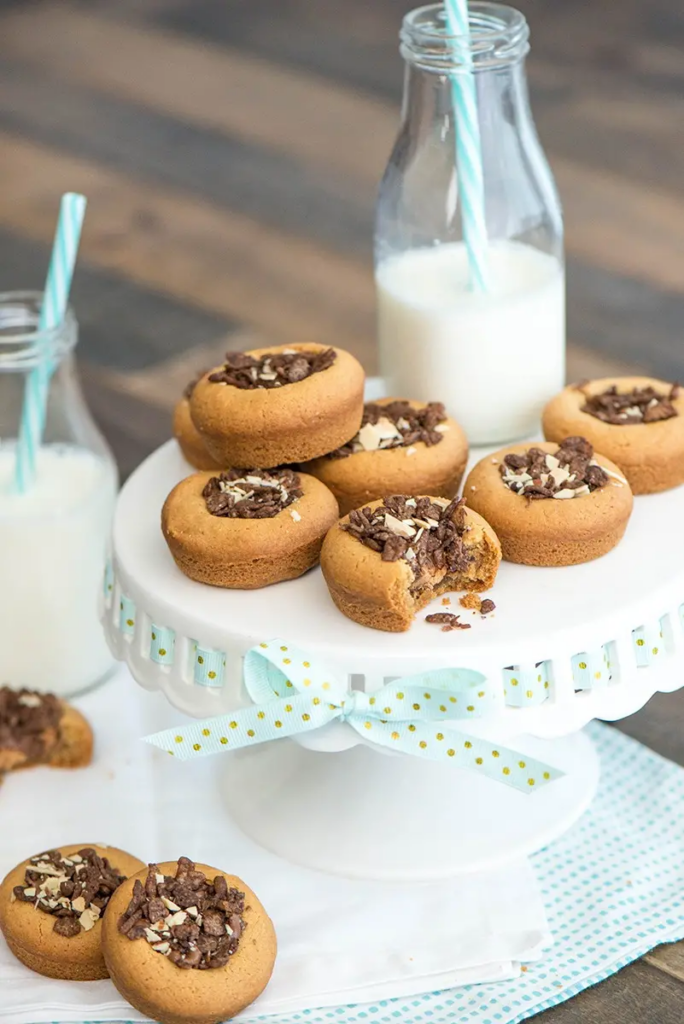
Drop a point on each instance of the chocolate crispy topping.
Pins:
(640, 405)
(395, 425)
(447, 620)
(251, 493)
(29, 722)
(194, 922)
(74, 889)
(272, 370)
(190, 387)
(428, 535)
(570, 473)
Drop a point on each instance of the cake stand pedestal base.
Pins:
(366, 814)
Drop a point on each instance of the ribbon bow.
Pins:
(292, 695)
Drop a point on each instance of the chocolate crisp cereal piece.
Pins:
(447, 621)
(190, 386)
(395, 425)
(639, 405)
(75, 889)
(195, 922)
(272, 370)
(427, 534)
(251, 493)
(571, 472)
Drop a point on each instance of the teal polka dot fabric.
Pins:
(613, 888)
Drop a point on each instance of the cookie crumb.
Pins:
(447, 620)
(470, 601)
(446, 600)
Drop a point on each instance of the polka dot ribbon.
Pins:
(293, 695)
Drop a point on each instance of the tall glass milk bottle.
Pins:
(493, 358)
(53, 537)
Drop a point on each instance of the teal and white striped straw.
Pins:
(469, 150)
(53, 310)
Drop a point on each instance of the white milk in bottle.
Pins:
(494, 356)
(53, 542)
(494, 359)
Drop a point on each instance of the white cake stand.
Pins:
(563, 647)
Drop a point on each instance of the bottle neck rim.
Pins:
(499, 38)
(23, 345)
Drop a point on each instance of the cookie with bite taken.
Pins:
(549, 504)
(188, 944)
(278, 405)
(402, 446)
(188, 436)
(384, 562)
(39, 728)
(52, 908)
(637, 422)
(245, 529)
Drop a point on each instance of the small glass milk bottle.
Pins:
(493, 358)
(54, 536)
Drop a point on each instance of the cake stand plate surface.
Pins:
(365, 814)
(563, 646)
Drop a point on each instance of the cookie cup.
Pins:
(29, 932)
(418, 469)
(189, 438)
(386, 595)
(272, 426)
(245, 554)
(548, 531)
(650, 455)
(70, 745)
(171, 995)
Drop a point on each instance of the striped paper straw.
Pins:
(469, 150)
(52, 312)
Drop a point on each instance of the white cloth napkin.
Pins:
(339, 941)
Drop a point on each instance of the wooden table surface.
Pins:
(231, 150)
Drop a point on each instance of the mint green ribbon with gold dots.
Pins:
(292, 695)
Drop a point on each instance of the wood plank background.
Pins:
(231, 150)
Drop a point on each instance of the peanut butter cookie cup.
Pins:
(279, 405)
(39, 728)
(52, 907)
(638, 422)
(188, 944)
(551, 505)
(245, 529)
(188, 436)
(384, 562)
(402, 446)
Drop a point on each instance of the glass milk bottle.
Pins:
(495, 357)
(53, 537)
